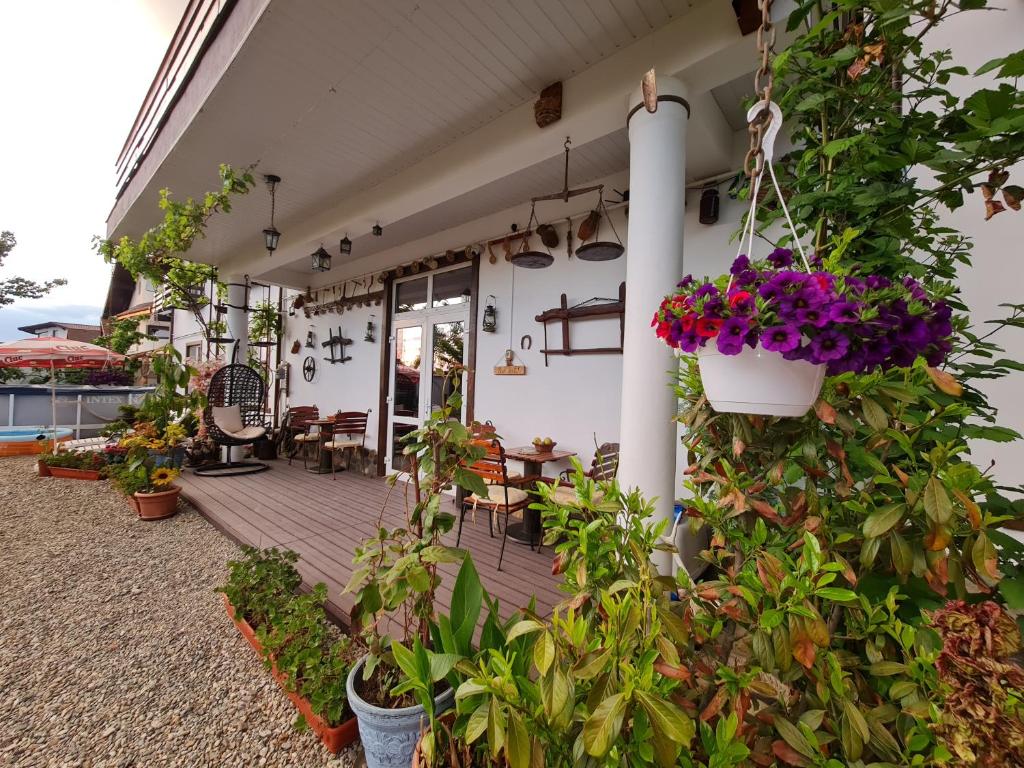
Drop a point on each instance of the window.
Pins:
(158, 331)
(411, 295)
(451, 288)
(193, 352)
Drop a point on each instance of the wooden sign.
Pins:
(510, 370)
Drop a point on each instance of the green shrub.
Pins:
(261, 583)
(88, 460)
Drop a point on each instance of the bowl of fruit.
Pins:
(544, 444)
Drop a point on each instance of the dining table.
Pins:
(529, 531)
(323, 464)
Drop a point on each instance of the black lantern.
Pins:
(490, 322)
(708, 205)
(321, 260)
(345, 246)
(378, 230)
(369, 329)
(310, 343)
(271, 237)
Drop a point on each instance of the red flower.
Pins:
(737, 297)
(663, 330)
(687, 321)
(708, 327)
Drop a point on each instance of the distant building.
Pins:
(72, 331)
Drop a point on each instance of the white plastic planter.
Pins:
(758, 381)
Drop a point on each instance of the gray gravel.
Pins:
(114, 649)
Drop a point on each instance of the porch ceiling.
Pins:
(341, 97)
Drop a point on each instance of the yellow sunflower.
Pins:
(163, 476)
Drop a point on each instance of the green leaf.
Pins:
(834, 147)
(477, 722)
(467, 598)
(837, 594)
(544, 652)
(874, 414)
(441, 664)
(936, 502)
(792, 736)
(666, 717)
(887, 668)
(602, 728)
(495, 728)
(524, 627)
(518, 747)
(883, 519)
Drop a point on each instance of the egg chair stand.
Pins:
(234, 417)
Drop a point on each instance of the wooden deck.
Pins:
(323, 520)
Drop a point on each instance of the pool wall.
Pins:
(21, 441)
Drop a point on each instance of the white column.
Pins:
(237, 317)
(654, 264)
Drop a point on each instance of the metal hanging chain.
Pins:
(753, 163)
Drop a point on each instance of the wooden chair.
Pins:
(503, 495)
(604, 467)
(343, 432)
(297, 432)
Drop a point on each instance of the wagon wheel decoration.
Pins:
(308, 368)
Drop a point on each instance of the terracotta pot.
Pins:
(335, 738)
(157, 506)
(43, 469)
(74, 474)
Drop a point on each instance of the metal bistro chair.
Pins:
(296, 428)
(347, 425)
(503, 497)
(235, 416)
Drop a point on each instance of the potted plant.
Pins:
(146, 477)
(766, 335)
(306, 655)
(75, 466)
(395, 585)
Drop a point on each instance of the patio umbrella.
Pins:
(53, 352)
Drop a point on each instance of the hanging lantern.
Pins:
(271, 237)
(321, 260)
(369, 330)
(378, 230)
(345, 246)
(490, 322)
(310, 343)
(709, 204)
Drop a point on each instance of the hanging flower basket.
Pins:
(767, 334)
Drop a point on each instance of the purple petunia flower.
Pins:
(916, 291)
(781, 257)
(688, 280)
(741, 264)
(732, 335)
(828, 345)
(780, 338)
(805, 298)
(814, 316)
(708, 289)
(912, 331)
(689, 341)
(855, 285)
(844, 312)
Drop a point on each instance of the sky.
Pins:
(72, 77)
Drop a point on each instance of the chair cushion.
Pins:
(246, 433)
(348, 443)
(566, 494)
(228, 418)
(510, 475)
(496, 496)
(303, 438)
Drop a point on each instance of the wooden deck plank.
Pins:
(324, 520)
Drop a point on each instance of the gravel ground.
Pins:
(114, 648)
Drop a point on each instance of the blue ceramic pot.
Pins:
(389, 736)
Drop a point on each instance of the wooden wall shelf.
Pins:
(565, 314)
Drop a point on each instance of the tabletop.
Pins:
(529, 453)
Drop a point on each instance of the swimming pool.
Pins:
(24, 441)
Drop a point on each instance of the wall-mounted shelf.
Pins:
(587, 310)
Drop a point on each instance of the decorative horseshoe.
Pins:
(308, 368)
(526, 342)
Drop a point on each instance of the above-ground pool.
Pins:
(24, 441)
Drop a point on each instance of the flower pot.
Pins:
(335, 738)
(74, 474)
(758, 381)
(389, 736)
(157, 506)
(43, 469)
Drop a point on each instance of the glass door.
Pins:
(429, 337)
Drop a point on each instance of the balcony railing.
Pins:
(196, 31)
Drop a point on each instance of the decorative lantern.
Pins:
(490, 323)
(708, 205)
(271, 237)
(378, 230)
(310, 343)
(369, 330)
(321, 260)
(345, 246)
